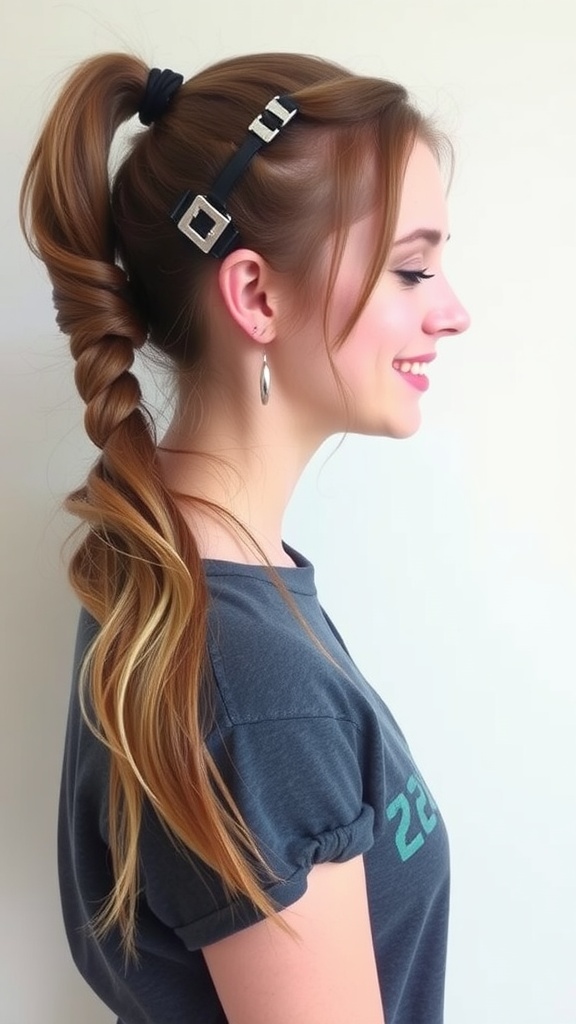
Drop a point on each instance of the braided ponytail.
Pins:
(137, 570)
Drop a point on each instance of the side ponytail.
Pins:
(137, 570)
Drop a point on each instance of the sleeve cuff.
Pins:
(338, 845)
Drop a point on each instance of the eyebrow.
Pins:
(426, 234)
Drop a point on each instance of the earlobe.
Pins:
(244, 283)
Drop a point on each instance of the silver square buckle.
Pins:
(283, 115)
(221, 221)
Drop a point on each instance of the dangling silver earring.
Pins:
(264, 381)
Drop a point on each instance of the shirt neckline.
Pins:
(298, 578)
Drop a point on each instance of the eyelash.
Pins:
(413, 276)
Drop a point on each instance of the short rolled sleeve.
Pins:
(298, 785)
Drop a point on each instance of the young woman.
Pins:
(244, 835)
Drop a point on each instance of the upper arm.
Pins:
(327, 972)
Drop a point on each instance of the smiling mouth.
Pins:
(412, 373)
(415, 368)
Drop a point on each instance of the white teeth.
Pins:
(416, 368)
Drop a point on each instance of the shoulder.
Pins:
(273, 653)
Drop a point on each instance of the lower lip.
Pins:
(421, 383)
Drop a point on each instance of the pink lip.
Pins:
(417, 381)
(429, 358)
(421, 383)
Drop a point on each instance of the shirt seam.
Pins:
(219, 674)
(267, 720)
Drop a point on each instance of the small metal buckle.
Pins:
(283, 115)
(198, 205)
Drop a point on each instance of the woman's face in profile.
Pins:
(405, 317)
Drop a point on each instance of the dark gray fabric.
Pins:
(320, 771)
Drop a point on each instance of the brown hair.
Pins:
(123, 275)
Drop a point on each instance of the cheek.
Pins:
(343, 303)
(398, 321)
(380, 335)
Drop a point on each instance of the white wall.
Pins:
(448, 561)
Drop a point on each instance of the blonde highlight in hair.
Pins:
(123, 276)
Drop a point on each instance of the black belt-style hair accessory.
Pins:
(205, 219)
(160, 88)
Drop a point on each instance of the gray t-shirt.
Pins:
(320, 771)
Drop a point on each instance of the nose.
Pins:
(447, 315)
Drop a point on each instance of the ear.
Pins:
(246, 284)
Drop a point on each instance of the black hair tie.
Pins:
(160, 88)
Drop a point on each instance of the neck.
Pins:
(244, 461)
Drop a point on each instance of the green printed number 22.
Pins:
(403, 806)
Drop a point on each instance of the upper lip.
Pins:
(417, 359)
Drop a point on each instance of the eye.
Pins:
(413, 276)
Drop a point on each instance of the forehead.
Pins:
(423, 202)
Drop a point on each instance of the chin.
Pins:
(398, 428)
(404, 432)
(399, 423)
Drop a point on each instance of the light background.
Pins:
(448, 561)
